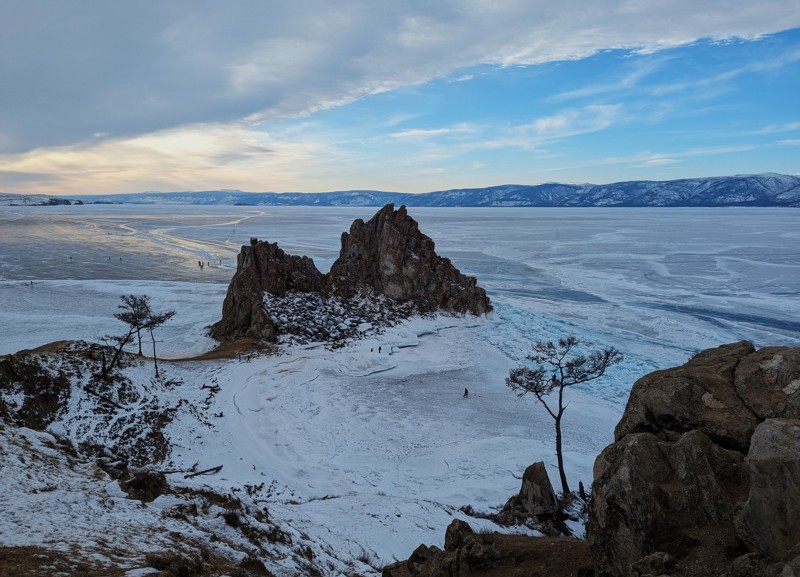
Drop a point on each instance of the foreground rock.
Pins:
(470, 554)
(703, 476)
(537, 507)
(385, 264)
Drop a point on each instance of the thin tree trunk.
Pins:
(560, 456)
(118, 352)
(155, 360)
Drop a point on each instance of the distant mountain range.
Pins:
(741, 190)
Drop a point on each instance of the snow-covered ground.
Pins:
(368, 451)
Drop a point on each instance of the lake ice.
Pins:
(391, 432)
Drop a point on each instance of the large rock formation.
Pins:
(389, 255)
(262, 268)
(703, 476)
(386, 257)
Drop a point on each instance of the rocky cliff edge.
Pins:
(704, 475)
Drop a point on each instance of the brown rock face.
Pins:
(768, 382)
(770, 521)
(537, 495)
(262, 267)
(701, 471)
(389, 255)
(469, 554)
(699, 395)
(386, 255)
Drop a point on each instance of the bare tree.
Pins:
(568, 368)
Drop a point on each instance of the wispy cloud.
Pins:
(195, 94)
(426, 133)
(621, 84)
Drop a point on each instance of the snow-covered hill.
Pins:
(741, 190)
(7, 199)
(320, 462)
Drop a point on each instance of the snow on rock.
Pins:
(315, 317)
(385, 264)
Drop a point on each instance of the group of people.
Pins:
(202, 264)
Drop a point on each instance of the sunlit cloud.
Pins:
(184, 95)
(219, 156)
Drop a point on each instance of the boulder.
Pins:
(536, 494)
(768, 381)
(536, 504)
(474, 556)
(651, 495)
(702, 470)
(770, 520)
(456, 534)
(699, 395)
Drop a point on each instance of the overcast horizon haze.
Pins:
(104, 98)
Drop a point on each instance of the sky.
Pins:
(102, 97)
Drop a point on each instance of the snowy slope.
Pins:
(359, 454)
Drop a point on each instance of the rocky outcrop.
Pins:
(386, 259)
(536, 505)
(702, 477)
(770, 520)
(262, 268)
(482, 554)
(390, 256)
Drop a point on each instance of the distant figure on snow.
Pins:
(379, 349)
(466, 392)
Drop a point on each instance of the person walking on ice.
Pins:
(466, 393)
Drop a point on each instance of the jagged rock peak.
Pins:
(387, 258)
(391, 256)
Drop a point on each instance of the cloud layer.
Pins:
(110, 77)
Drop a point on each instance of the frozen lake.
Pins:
(682, 279)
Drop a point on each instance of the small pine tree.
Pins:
(556, 370)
